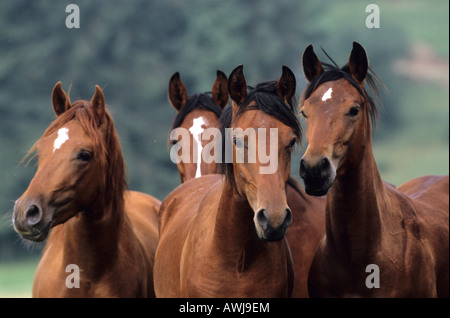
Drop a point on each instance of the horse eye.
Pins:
(238, 142)
(292, 143)
(354, 111)
(85, 155)
(302, 113)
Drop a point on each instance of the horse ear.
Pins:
(312, 67)
(98, 103)
(286, 85)
(358, 63)
(177, 92)
(60, 100)
(237, 87)
(220, 89)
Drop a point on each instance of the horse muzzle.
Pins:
(267, 229)
(317, 175)
(29, 221)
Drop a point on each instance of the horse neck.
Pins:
(234, 230)
(91, 240)
(354, 209)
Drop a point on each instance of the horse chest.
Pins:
(205, 275)
(230, 283)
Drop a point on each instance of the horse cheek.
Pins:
(88, 186)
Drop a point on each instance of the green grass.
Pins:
(16, 278)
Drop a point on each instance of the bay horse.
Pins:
(379, 241)
(308, 212)
(308, 220)
(78, 201)
(195, 114)
(223, 235)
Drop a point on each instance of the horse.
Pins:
(195, 114)
(308, 220)
(380, 241)
(308, 212)
(224, 235)
(101, 238)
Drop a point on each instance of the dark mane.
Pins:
(197, 101)
(223, 123)
(267, 100)
(106, 149)
(333, 73)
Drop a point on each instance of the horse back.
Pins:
(430, 197)
(432, 190)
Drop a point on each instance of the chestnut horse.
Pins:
(195, 114)
(103, 238)
(214, 229)
(379, 241)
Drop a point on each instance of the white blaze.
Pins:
(62, 138)
(196, 131)
(327, 94)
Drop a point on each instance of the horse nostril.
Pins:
(325, 164)
(261, 217)
(288, 217)
(33, 215)
(325, 167)
(302, 168)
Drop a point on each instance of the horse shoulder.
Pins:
(197, 261)
(203, 218)
(184, 197)
(407, 246)
(177, 213)
(138, 241)
(143, 210)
